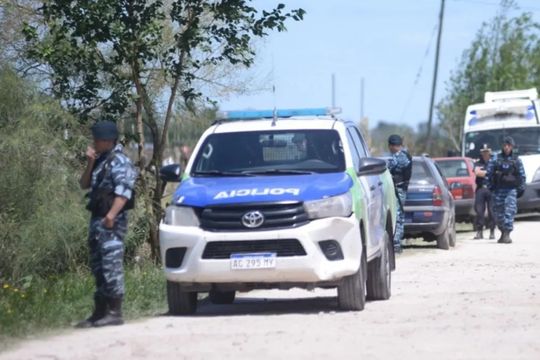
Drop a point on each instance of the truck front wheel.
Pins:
(379, 279)
(180, 302)
(352, 291)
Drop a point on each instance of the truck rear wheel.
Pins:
(452, 234)
(443, 240)
(180, 302)
(379, 276)
(352, 291)
(222, 297)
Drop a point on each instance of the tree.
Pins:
(111, 57)
(379, 136)
(505, 55)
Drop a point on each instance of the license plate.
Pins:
(253, 261)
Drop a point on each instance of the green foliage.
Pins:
(378, 137)
(98, 52)
(43, 222)
(505, 55)
(188, 126)
(38, 232)
(35, 304)
(113, 57)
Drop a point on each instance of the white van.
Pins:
(513, 113)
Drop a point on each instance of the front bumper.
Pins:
(313, 267)
(530, 201)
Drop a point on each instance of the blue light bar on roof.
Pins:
(280, 113)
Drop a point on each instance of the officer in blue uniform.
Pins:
(111, 176)
(400, 166)
(482, 197)
(506, 178)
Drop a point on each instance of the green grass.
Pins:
(36, 305)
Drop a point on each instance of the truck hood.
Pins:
(208, 191)
(530, 163)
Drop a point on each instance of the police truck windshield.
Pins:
(527, 140)
(259, 153)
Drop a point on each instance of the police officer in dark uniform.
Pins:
(482, 198)
(400, 167)
(110, 175)
(506, 178)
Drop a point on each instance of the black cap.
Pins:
(105, 130)
(509, 140)
(395, 140)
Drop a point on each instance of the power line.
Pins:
(418, 74)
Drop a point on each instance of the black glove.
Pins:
(520, 192)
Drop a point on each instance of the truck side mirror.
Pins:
(171, 173)
(371, 166)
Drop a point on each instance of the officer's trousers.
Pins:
(505, 208)
(483, 202)
(400, 217)
(106, 256)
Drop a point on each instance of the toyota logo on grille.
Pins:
(253, 219)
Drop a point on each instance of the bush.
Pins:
(43, 222)
(34, 304)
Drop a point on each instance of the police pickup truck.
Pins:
(275, 200)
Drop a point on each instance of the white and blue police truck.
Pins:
(279, 199)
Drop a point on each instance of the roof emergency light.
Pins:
(278, 113)
(529, 94)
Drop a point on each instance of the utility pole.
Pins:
(434, 85)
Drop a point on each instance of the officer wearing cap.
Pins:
(482, 197)
(400, 166)
(110, 176)
(506, 179)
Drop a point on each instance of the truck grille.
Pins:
(229, 217)
(224, 249)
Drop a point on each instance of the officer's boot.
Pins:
(479, 235)
(100, 308)
(114, 313)
(506, 238)
(492, 234)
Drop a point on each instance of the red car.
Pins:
(460, 175)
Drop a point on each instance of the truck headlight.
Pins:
(180, 216)
(340, 205)
(536, 176)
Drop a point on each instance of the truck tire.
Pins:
(443, 240)
(352, 290)
(379, 276)
(452, 234)
(221, 297)
(180, 302)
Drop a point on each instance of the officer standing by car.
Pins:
(400, 166)
(110, 175)
(482, 197)
(506, 178)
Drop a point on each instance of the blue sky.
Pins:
(383, 41)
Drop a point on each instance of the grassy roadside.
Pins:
(36, 305)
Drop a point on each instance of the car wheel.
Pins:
(452, 234)
(352, 290)
(180, 302)
(222, 297)
(379, 276)
(443, 240)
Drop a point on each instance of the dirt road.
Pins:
(480, 300)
